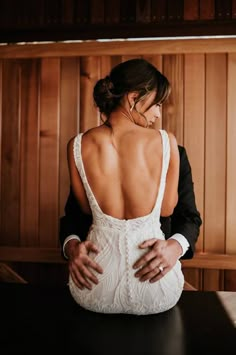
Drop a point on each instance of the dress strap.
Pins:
(77, 154)
(80, 167)
(165, 165)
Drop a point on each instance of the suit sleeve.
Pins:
(74, 221)
(186, 218)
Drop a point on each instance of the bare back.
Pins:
(123, 169)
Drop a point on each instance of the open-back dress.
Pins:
(118, 290)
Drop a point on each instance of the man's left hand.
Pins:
(160, 258)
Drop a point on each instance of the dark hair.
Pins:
(133, 75)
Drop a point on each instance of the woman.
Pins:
(126, 176)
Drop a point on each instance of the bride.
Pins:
(126, 176)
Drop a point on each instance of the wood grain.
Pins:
(49, 151)
(215, 161)
(29, 153)
(116, 47)
(10, 170)
(69, 120)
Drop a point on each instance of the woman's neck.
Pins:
(121, 117)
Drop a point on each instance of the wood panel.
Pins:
(231, 166)
(10, 211)
(29, 153)
(215, 161)
(69, 120)
(194, 125)
(230, 247)
(89, 74)
(105, 66)
(118, 48)
(194, 133)
(173, 110)
(211, 261)
(49, 151)
(9, 275)
(1, 87)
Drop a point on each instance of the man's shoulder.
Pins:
(182, 150)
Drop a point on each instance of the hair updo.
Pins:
(105, 97)
(134, 75)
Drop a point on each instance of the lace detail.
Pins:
(118, 291)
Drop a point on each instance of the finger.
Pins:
(84, 271)
(91, 246)
(88, 275)
(147, 243)
(151, 267)
(150, 275)
(92, 264)
(79, 275)
(144, 259)
(76, 281)
(160, 275)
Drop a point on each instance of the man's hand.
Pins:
(80, 264)
(159, 259)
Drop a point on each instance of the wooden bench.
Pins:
(211, 261)
(7, 274)
(53, 255)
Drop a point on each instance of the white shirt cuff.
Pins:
(72, 236)
(182, 241)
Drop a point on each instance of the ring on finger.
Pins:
(161, 268)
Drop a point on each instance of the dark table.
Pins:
(43, 319)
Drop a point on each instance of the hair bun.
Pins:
(104, 95)
(108, 85)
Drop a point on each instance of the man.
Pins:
(181, 232)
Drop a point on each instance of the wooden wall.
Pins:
(46, 98)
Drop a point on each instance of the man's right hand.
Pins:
(80, 264)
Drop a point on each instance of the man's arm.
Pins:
(75, 222)
(186, 219)
(181, 229)
(74, 226)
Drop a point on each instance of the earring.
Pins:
(132, 107)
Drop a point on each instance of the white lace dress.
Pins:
(118, 290)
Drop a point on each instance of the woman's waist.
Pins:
(124, 226)
(103, 235)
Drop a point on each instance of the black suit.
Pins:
(185, 220)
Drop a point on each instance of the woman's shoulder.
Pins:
(170, 135)
(93, 138)
(153, 135)
(88, 134)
